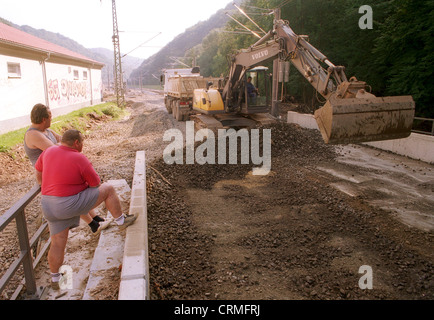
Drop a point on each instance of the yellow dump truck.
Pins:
(179, 85)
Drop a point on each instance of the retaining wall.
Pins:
(416, 146)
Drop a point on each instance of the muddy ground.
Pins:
(221, 233)
(301, 232)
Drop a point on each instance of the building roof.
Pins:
(18, 38)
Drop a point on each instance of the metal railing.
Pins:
(423, 120)
(25, 258)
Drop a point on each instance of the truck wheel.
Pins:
(186, 116)
(167, 104)
(173, 104)
(178, 111)
(172, 108)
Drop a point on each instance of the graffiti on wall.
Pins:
(67, 90)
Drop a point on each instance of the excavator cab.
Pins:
(257, 91)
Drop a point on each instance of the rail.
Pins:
(25, 258)
(424, 120)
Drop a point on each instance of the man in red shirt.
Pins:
(70, 188)
(39, 137)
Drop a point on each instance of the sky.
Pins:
(145, 26)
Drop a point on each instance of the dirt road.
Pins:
(301, 232)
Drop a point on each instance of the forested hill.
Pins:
(179, 46)
(395, 57)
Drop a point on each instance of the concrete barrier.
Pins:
(135, 267)
(303, 120)
(109, 252)
(416, 146)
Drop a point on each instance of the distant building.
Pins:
(34, 71)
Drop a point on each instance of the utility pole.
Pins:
(119, 83)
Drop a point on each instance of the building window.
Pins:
(14, 70)
(76, 76)
(84, 75)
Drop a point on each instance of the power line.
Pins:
(253, 32)
(283, 3)
(142, 44)
(245, 14)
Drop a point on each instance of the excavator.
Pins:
(351, 114)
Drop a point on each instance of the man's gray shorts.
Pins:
(64, 212)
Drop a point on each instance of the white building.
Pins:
(34, 71)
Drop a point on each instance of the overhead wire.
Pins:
(251, 20)
(253, 32)
(283, 3)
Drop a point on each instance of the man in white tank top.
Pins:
(38, 137)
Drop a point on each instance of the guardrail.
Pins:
(17, 213)
(423, 120)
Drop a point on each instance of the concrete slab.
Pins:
(399, 179)
(416, 146)
(110, 249)
(346, 188)
(303, 120)
(135, 266)
(343, 174)
(394, 183)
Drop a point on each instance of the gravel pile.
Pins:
(292, 237)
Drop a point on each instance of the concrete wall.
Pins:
(67, 86)
(416, 146)
(63, 87)
(97, 85)
(17, 94)
(303, 120)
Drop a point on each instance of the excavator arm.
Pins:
(285, 45)
(350, 114)
(306, 58)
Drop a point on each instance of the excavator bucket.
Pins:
(355, 120)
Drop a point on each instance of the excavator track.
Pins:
(227, 121)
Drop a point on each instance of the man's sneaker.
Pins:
(102, 225)
(129, 219)
(55, 285)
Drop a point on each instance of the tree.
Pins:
(405, 53)
(395, 57)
